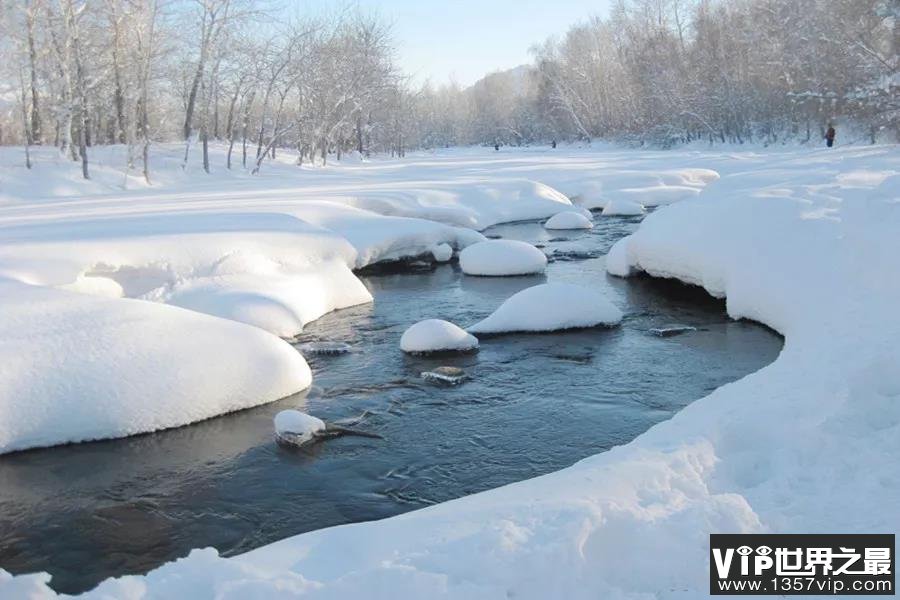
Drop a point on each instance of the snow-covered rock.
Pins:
(436, 335)
(623, 208)
(568, 220)
(502, 258)
(297, 428)
(550, 307)
(441, 252)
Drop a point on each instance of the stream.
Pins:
(534, 404)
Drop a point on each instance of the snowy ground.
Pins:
(804, 241)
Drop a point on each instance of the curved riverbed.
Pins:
(535, 404)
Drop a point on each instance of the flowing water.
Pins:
(534, 404)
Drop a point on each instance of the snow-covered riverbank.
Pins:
(803, 241)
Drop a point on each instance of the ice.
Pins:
(435, 335)
(622, 207)
(326, 348)
(671, 330)
(297, 428)
(502, 258)
(551, 307)
(568, 220)
(446, 375)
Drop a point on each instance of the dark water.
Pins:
(536, 403)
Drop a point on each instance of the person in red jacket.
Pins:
(829, 135)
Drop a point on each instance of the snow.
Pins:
(297, 428)
(436, 335)
(465, 203)
(550, 307)
(617, 262)
(568, 220)
(441, 252)
(622, 207)
(76, 367)
(502, 258)
(801, 240)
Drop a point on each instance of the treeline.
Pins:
(672, 71)
(137, 71)
(77, 73)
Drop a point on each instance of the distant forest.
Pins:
(661, 72)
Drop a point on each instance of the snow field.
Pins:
(803, 241)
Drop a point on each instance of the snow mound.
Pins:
(297, 428)
(441, 252)
(436, 335)
(502, 258)
(623, 208)
(568, 220)
(550, 307)
(75, 367)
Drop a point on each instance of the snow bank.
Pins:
(476, 204)
(568, 220)
(550, 307)
(75, 367)
(297, 428)
(622, 207)
(435, 335)
(378, 237)
(502, 258)
(656, 195)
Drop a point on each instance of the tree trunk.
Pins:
(25, 122)
(36, 134)
(204, 135)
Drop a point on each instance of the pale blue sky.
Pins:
(465, 39)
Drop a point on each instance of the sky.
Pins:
(463, 40)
